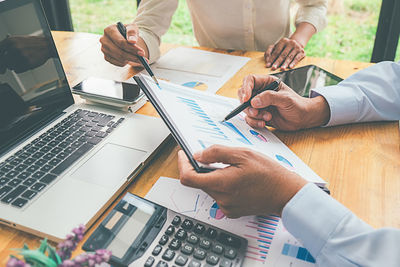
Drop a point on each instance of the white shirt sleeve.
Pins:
(153, 19)
(313, 12)
(372, 94)
(334, 235)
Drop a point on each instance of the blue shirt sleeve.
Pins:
(334, 235)
(372, 94)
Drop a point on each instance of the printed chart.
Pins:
(265, 228)
(215, 212)
(198, 117)
(269, 244)
(297, 252)
(196, 85)
(286, 163)
(205, 71)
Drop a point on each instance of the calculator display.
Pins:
(129, 228)
(130, 231)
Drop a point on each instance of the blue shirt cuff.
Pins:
(311, 216)
(342, 103)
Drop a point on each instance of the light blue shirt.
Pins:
(331, 232)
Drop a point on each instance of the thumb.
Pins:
(219, 153)
(132, 33)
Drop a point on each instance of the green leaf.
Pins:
(25, 247)
(53, 255)
(43, 246)
(37, 258)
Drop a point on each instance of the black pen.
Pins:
(122, 30)
(272, 86)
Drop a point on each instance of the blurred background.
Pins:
(349, 35)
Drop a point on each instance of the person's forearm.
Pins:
(304, 32)
(371, 94)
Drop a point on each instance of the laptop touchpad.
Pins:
(111, 164)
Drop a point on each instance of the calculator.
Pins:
(141, 233)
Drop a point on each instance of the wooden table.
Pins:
(361, 162)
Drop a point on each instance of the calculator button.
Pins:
(187, 224)
(225, 263)
(149, 262)
(176, 221)
(211, 233)
(229, 240)
(181, 260)
(170, 230)
(217, 248)
(212, 259)
(168, 255)
(194, 263)
(205, 243)
(187, 249)
(193, 239)
(163, 240)
(175, 244)
(199, 229)
(181, 234)
(230, 254)
(199, 253)
(157, 250)
(162, 264)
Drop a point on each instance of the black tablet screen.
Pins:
(303, 79)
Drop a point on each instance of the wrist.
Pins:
(318, 111)
(304, 32)
(142, 44)
(292, 184)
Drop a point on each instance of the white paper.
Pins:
(266, 235)
(197, 116)
(199, 69)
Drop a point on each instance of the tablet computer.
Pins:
(195, 119)
(165, 116)
(303, 79)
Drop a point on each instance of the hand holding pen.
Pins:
(122, 31)
(274, 86)
(283, 109)
(122, 46)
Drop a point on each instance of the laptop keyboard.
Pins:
(35, 166)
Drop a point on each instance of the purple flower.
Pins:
(67, 263)
(14, 262)
(71, 242)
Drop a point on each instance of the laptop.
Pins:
(61, 163)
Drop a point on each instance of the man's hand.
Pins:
(119, 51)
(253, 184)
(286, 53)
(282, 109)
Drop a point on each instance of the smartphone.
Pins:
(114, 92)
(303, 79)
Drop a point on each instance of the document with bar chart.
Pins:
(269, 244)
(197, 117)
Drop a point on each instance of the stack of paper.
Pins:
(199, 69)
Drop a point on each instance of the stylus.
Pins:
(122, 30)
(272, 86)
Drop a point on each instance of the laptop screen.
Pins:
(33, 85)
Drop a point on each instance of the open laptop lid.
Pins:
(33, 85)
